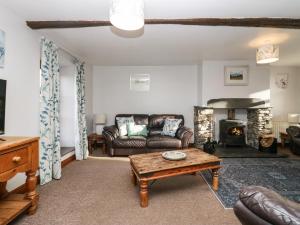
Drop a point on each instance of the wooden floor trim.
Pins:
(67, 161)
(22, 189)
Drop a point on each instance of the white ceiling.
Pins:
(167, 44)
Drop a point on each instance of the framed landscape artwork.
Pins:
(236, 76)
(140, 82)
(2, 48)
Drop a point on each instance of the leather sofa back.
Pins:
(139, 119)
(154, 121)
(293, 131)
(157, 120)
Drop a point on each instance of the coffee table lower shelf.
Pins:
(12, 206)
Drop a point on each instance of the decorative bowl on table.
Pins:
(174, 155)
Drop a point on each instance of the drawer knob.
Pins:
(16, 159)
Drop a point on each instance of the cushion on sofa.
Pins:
(170, 127)
(129, 142)
(139, 119)
(122, 124)
(158, 120)
(137, 130)
(160, 141)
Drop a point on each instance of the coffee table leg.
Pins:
(133, 178)
(144, 193)
(215, 179)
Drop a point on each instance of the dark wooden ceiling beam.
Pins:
(287, 23)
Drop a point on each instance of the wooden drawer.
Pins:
(14, 159)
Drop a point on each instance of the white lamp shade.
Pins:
(267, 54)
(100, 119)
(293, 118)
(127, 14)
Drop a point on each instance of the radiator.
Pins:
(279, 126)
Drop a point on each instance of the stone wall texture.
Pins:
(256, 125)
(257, 121)
(203, 125)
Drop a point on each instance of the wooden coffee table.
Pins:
(152, 166)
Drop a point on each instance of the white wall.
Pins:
(213, 81)
(212, 86)
(67, 105)
(22, 74)
(173, 89)
(286, 100)
(199, 84)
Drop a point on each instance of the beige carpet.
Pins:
(99, 191)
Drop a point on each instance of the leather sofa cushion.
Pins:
(270, 206)
(129, 142)
(160, 141)
(139, 119)
(155, 131)
(157, 121)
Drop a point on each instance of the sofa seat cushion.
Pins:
(160, 141)
(155, 131)
(129, 142)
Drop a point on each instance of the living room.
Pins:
(165, 70)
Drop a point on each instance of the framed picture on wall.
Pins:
(282, 80)
(140, 82)
(2, 48)
(236, 76)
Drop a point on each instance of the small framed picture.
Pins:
(236, 75)
(140, 82)
(282, 80)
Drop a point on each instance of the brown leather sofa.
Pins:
(294, 138)
(261, 206)
(124, 146)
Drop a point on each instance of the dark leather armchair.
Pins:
(124, 145)
(294, 137)
(261, 206)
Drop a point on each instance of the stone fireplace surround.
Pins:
(258, 116)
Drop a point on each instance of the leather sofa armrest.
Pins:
(113, 131)
(246, 216)
(270, 206)
(184, 134)
(110, 133)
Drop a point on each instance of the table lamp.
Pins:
(100, 121)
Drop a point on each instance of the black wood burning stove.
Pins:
(232, 132)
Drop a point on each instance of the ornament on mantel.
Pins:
(282, 81)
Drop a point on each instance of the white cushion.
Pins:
(122, 124)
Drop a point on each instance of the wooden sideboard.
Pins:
(18, 155)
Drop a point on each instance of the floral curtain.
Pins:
(81, 143)
(50, 164)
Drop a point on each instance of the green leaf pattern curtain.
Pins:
(81, 143)
(50, 162)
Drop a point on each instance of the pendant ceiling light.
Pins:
(127, 14)
(267, 54)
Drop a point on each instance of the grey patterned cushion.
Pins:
(122, 124)
(171, 126)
